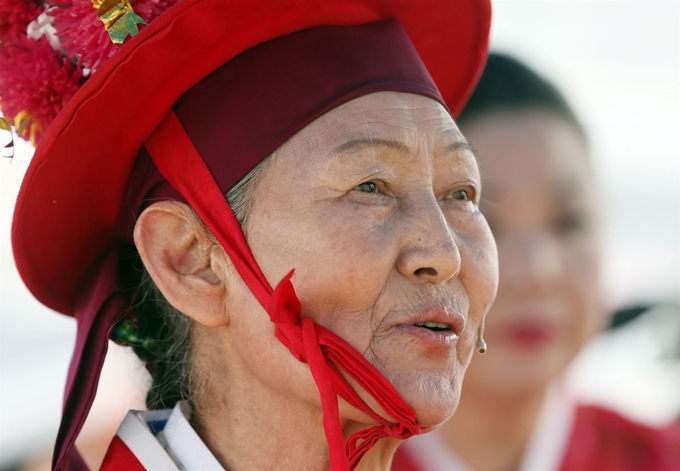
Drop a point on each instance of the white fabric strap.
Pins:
(185, 443)
(139, 439)
(431, 454)
(176, 447)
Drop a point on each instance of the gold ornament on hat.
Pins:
(119, 19)
(8, 149)
(25, 121)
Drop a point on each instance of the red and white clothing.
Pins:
(568, 437)
(159, 440)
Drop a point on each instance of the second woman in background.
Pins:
(542, 205)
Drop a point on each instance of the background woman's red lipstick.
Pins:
(529, 335)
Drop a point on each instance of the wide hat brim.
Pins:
(71, 197)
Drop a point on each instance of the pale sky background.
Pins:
(618, 64)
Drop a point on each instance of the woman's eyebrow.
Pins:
(568, 188)
(459, 146)
(360, 143)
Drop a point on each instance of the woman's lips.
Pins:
(529, 334)
(437, 339)
(436, 327)
(435, 319)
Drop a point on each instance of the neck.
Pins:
(248, 425)
(491, 432)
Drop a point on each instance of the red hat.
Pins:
(67, 215)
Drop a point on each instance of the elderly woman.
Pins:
(342, 284)
(542, 205)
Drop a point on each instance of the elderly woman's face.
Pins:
(375, 206)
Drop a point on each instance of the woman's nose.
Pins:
(531, 260)
(429, 251)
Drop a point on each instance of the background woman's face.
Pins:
(540, 201)
(375, 206)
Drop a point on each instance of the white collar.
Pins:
(430, 453)
(549, 441)
(185, 443)
(166, 440)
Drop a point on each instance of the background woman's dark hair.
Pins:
(509, 85)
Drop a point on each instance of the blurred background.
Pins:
(618, 63)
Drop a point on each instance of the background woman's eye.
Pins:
(571, 222)
(367, 187)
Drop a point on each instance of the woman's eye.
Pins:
(571, 222)
(367, 187)
(461, 195)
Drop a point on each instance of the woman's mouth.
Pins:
(432, 335)
(529, 335)
(434, 328)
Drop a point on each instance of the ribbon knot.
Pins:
(325, 353)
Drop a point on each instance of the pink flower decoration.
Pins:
(15, 15)
(35, 83)
(83, 35)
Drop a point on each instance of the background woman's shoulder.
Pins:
(605, 440)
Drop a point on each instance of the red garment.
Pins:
(161, 440)
(605, 441)
(602, 440)
(119, 457)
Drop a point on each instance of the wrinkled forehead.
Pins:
(386, 116)
(259, 100)
(255, 103)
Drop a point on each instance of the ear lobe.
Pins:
(182, 260)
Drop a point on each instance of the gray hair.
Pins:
(166, 332)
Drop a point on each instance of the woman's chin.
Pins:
(434, 398)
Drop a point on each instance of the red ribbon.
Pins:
(324, 352)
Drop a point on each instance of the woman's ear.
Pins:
(185, 263)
